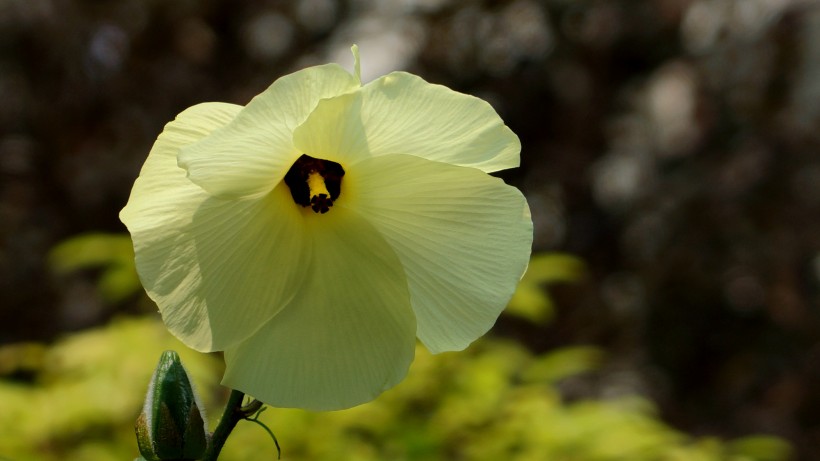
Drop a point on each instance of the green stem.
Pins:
(233, 414)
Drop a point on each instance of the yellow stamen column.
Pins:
(320, 200)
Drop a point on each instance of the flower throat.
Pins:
(315, 182)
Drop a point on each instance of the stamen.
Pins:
(320, 200)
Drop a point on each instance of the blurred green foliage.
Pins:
(78, 399)
(530, 301)
(113, 254)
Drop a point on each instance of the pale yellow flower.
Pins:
(314, 233)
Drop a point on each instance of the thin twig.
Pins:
(255, 419)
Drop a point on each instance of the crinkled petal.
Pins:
(463, 237)
(217, 269)
(251, 155)
(334, 131)
(403, 114)
(347, 336)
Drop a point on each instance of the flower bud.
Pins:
(172, 424)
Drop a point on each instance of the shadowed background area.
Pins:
(671, 146)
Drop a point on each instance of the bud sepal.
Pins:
(172, 423)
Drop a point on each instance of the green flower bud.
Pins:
(172, 424)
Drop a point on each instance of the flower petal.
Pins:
(251, 155)
(347, 336)
(403, 114)
(463, 238)
(334, 131)
(217, 269)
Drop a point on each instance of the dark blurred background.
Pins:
(672, 145)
